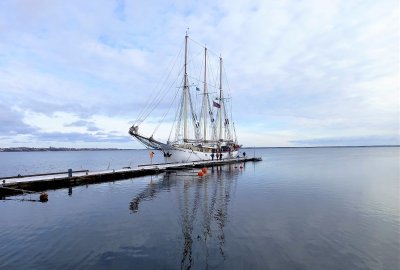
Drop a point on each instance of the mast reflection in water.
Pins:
(306, 208)
(203, 205)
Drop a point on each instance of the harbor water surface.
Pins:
(300, 208)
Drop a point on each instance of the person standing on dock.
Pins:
(151, 157)
(244, 154)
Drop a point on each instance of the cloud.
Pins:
(81, 137)
(350, 141)
(90, 126)
(306, 69)
(12, 122)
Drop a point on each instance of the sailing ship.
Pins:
(206, 134)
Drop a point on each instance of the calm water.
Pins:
(322, 208)
(14, 163)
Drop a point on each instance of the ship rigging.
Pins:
(203, 133)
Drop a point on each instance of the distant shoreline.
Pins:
(59, 149)
(328, 146)
(55, 149)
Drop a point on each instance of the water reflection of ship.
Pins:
(151, 191)
(204, 209)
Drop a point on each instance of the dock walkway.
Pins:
(40, 182)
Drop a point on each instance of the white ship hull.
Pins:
(188, 155)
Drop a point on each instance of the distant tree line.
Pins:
(47, 149)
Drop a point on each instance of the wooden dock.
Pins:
(40, 182)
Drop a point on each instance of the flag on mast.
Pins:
(215, 104)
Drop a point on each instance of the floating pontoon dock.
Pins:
(40, 182)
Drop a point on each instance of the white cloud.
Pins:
(309, 69)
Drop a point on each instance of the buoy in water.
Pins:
(204, 170)
(44, 197)
(200, 173)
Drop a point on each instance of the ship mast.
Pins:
(220, 99)
(185, 90)
(205, 95)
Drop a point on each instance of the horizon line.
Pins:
(245, 147)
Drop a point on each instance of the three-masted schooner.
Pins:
(208, 134)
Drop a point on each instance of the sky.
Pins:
(301, 73)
